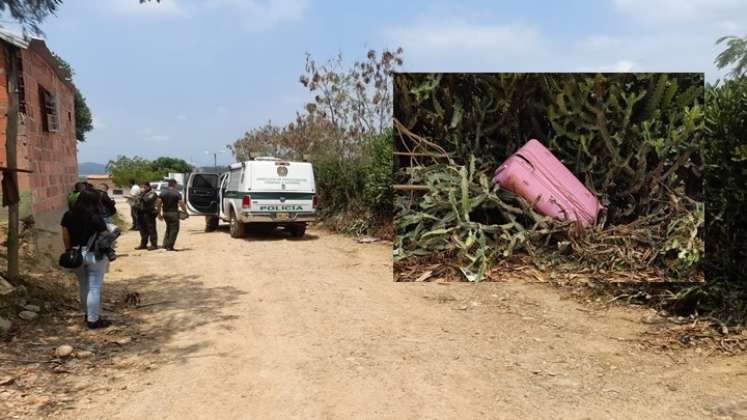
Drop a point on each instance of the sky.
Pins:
(185, 78)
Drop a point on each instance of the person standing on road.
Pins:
(81, 225)
(147, 218)
(168, 211)
(134, 193)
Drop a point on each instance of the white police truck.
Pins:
(264, 192)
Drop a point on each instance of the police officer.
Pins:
(147, 218)
(168, 211)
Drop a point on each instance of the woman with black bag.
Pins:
(81, 226)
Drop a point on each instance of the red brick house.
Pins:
(46, 141)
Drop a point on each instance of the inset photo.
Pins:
(549, 177)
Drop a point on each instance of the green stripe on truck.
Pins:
(269, 195)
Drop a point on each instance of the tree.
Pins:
(83, 118)
(30, 13)
(724, 181)
(308, 134)
(735, 55)
(357, 101)
(124, 170)
(164, 165)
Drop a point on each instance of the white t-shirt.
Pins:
(135, 190)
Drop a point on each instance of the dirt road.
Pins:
(272, 327)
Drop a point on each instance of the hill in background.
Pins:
(91, 168)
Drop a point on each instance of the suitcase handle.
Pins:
(502, 167)
(531, 165)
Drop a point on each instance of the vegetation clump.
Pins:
(635, 140)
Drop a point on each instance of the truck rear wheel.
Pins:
(238, 228)
(298, 231)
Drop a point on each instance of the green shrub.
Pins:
(339, 182)
(358, 186)
(377, 189)
(726, 198)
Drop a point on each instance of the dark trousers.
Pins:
(134, 215)
(147, 222)
(172, 229)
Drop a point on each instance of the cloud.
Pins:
(599, 42)
(462, 42)
(152, 8)
(622, 66)
(262, 14)
(651, 51)
(458, 35)
(98, 124)
(149, 134)
(158, 138)
(457, 44)
(181, 117)
(254, 15)
(682, 11)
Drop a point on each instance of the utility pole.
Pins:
(215, 160)
(11, 174)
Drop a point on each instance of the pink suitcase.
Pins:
(534, 173)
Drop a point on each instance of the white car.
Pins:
(161, 186)
(267, 191)
(158, 187)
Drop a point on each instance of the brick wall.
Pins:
(52, 156)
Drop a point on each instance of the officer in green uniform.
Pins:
(168, 211)
(147, 218)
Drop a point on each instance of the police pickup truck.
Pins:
(265, 191)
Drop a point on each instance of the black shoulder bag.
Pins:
(73, 257)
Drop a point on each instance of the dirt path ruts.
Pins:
(272, 327)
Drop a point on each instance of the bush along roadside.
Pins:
(355, 192)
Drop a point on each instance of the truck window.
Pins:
(233, 180)
(200, 181)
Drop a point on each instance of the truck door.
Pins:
(202, 194)
(223, 182)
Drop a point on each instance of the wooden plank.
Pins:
(409, 187)
(4, 169)
(11, 134)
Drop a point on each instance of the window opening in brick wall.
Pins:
(49, 115)
(21, 88)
